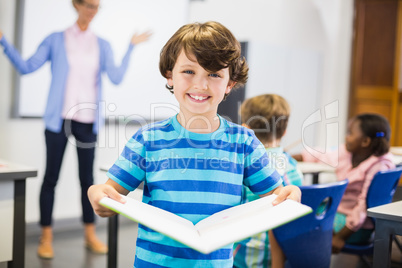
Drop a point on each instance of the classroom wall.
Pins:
(323, 26)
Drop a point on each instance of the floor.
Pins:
(343, 260)
(70, 251)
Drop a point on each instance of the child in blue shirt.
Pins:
(267, 115)
(195, 163)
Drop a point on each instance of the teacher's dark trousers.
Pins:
(85, 141)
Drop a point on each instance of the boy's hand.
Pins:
(97, 192)
(287, 192)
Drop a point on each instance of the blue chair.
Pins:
(307, 242)
(381, 191)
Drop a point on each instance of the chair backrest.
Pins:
(306, 242)
(382, 187)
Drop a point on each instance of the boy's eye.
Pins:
(188, 72)
(215, 75)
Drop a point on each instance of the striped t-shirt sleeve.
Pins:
(129, 168)
(258, 175)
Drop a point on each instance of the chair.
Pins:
(307, 242)
(380, 192)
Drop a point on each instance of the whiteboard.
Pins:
(142, 94)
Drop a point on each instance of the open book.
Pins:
(216, 231)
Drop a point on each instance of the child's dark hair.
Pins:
(377, 128)
(267, 115)
(213, 46)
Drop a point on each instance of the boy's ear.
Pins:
(169, 78)
(366, 142)
(245, 125)
(231, 84)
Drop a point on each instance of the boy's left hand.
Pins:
(287, 192)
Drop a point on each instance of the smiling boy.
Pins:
(195, 163)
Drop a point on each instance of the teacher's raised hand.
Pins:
(140, 37)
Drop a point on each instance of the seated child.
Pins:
(267, 115)
(195, 163)
(364, 153)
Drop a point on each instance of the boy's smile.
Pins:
(197, 90)
(198, 97)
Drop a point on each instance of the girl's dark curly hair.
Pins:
(377, 128)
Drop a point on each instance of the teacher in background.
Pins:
(78, 58)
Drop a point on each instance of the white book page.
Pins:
(160, 220)
(234, 213)
(259, 219)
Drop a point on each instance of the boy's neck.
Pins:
(199, 124)
(272, 144)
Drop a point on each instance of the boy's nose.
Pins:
(200, 83)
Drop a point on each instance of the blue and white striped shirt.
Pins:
(194, 176)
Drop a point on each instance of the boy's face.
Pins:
(198, 91)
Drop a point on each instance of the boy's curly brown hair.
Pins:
(213, 46)
(267, 115)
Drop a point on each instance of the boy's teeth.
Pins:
(198, 97)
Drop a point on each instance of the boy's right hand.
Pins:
(97, 192)
(1, 34)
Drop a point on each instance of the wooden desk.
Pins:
(16, 174)
(314, 169)
(388, 223)
(396, 150)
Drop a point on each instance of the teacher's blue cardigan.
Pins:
(53, 49)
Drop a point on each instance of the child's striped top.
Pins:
(192, 175)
